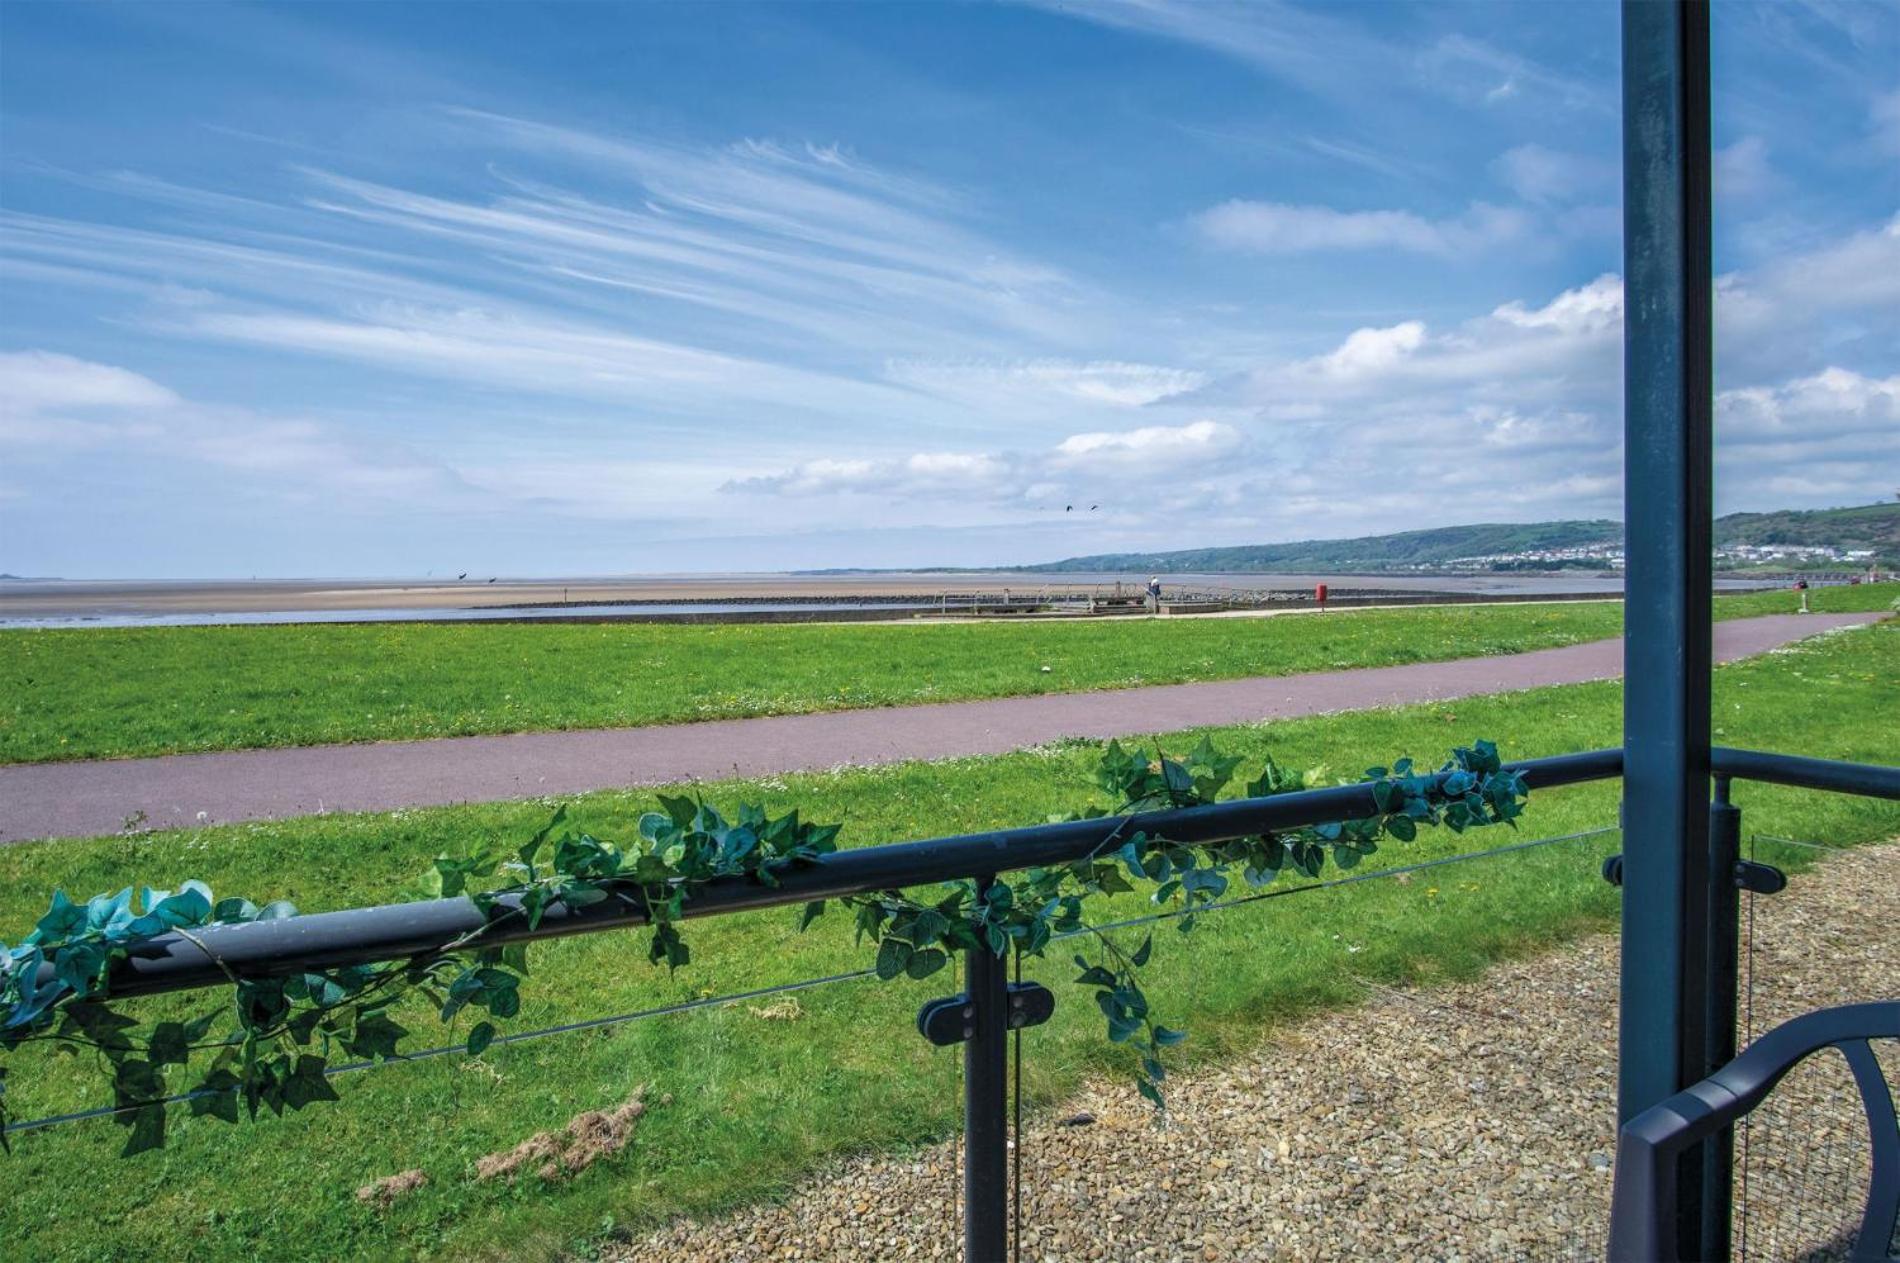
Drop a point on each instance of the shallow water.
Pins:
(505, 613)
(185, 603)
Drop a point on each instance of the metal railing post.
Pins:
(1668, 430)
(1725, 901)
(985, 1105)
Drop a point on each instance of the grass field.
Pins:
(762, 1092)
(108, 693)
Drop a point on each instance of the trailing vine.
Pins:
(269, 1044)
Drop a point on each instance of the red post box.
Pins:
(1319, 594)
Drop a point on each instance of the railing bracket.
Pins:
(952, 1019)
(1760, 879)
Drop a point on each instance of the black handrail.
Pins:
(331, 940)
(1865, 779)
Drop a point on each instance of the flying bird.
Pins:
(1068, 508)
(463, 575)
(1094, 507)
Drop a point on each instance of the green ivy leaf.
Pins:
(306, 1083)
(926, 962)
(375, 1037)
(893, 955)
(148, 1129)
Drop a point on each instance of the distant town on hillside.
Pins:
(1848, 539)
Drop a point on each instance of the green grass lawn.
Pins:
(110, 693)
(758, 1100)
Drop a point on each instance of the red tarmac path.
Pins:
(86, 799)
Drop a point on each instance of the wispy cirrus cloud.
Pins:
(1474, 69)
(702, 286)
(1322, 50)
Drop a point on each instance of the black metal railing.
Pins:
(984, 1015)
(1703, 1204)
(1648, 1198)
(360, 936)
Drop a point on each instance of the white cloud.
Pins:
(1829, 438)
(1742, 169)
(1109, 382)
(1544, 176)
(1373, 350)
(1282, 228)
(1833, 403)
(54, 405)
(1884, 119)
(923, 473)
(1593, 308)
(1790, 309)
(1056, 475)
(40, 381)
(1155, 447)
(1523, 357)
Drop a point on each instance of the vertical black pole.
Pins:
(1725, 943)
(985, 1106)
(1667, 452)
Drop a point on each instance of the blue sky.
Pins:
(537, 289)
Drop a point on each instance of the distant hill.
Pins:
(1875, 526)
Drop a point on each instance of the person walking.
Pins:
(1154, 594)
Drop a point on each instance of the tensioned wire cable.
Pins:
(565, 1028)
(1176, 913)
(687, 1006)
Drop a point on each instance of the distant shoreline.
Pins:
(738, 597)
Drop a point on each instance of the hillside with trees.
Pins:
(1586, 543)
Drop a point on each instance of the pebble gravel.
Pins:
(1462, 1122)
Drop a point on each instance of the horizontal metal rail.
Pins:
(1865, 779)
(856, 975)
(329, 940)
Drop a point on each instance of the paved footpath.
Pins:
(47, 800)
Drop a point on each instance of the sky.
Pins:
(398, 290)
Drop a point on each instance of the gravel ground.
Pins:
(1464, 1122)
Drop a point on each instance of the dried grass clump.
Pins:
(384, 1192)
(586, 1139)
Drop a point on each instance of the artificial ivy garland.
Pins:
(277, 1038)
